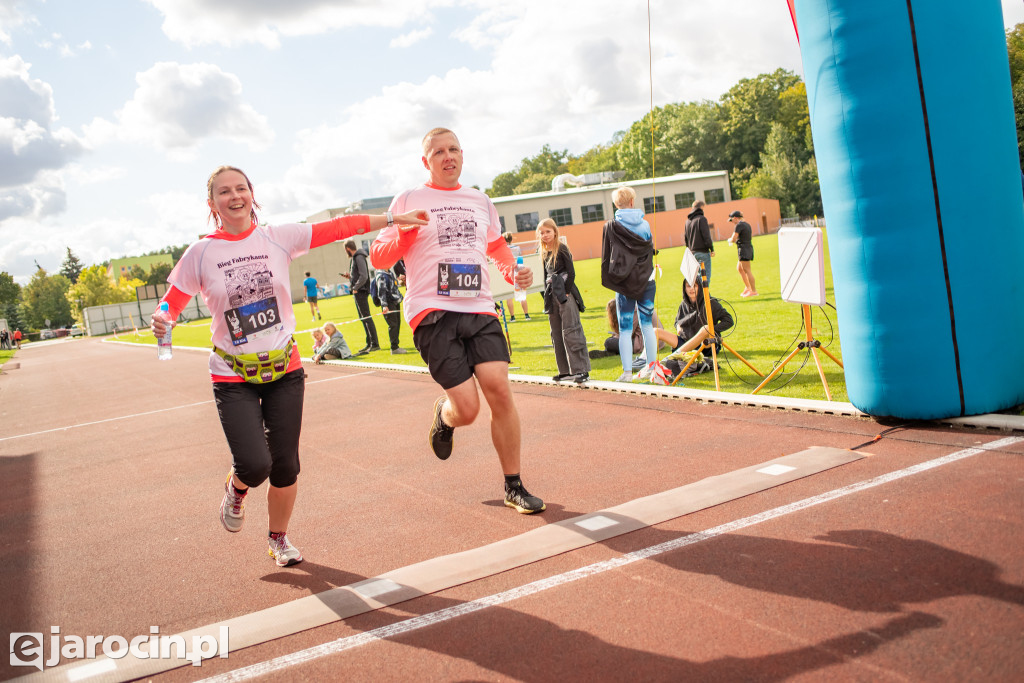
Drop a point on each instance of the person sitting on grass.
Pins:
(691, 324)
(336, 348)
(319, 338)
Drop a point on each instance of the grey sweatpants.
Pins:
(567, 337)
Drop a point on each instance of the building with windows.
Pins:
(591, 201)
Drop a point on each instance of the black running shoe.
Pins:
(581, 377)
(517, 497)
(440, 436)
(559, 377)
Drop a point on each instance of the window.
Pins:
(652, 204)
(501, 219)
(527, 221)
(713, 196)
(592, 212)
(684, 200)
(561, 216)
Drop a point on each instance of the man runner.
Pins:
(449, 307)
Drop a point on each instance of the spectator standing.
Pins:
(697, 235)
(449, 306)
(563, 302)
(741, 237)
(627, 268)
(311, 296)
(359, 277)
(386, 295)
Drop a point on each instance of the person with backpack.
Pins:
(387, 296)
(627, 268)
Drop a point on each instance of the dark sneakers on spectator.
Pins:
(441, 436)
(560, 377)
(581, 377)
(518, 498)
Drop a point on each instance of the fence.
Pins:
(113, 318)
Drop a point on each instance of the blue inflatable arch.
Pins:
(913, 125)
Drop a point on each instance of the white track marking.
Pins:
(342, 644)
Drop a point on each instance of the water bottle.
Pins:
(520, 292)
(163, 344)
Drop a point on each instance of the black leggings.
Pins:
(262, 423)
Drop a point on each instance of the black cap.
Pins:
(735, 214)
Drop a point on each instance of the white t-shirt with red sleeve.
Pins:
(244, 281)
(446, 264)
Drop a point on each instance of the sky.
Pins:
(113, 113)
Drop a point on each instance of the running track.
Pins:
(906, 564)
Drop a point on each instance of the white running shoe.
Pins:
(283, 552)
(232, 507)
(626, 376)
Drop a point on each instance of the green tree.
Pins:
(71, 267)
(532, 174)
(11, 311)
(503, 185)
(10, 291)
(136, 272)
(158, 273)
(94, 288)
(43, 298)
(782, 176)
(749, 109)
(1015, 52)
(598, 158)
(693, 138)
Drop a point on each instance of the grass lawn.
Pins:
(766, 329)
(5, 356)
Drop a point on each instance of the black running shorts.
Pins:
(452, 345)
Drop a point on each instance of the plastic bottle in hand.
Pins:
(520, 293)
(163, 343)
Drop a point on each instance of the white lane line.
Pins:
(155, 412)
(342, 644)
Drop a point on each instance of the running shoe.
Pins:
(559, 377)
(645, 374)
(581, 377)
(441, 436)
(232, 507)
(283, 552)
(517, 497)
(626, 376)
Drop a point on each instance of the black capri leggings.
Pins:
(262, 423)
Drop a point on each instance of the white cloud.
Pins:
(411, 38)
(11, 17)
(31, 149)
(177, 106)
(558, 76)
(199, 22)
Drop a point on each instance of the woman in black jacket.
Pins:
(563, 303)
(691, 327)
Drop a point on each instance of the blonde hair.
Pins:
(548, 254)
(433, 133)
(623, 196)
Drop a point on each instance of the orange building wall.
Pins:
(584, 239)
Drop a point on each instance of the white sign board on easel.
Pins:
(802, 265)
